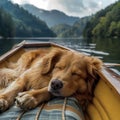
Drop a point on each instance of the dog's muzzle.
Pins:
(55, 87)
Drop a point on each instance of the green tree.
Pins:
(100, 28)
(105, 23)
(112, 29)
(118, 29)
(7, 28)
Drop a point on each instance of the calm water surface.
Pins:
(108, 50)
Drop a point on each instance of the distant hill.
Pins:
(105, 23)
(61, 29)
(53, 17)
(76, 30)
(26, 25)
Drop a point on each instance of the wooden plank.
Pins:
(111, 64)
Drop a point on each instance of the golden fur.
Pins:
(39, 75)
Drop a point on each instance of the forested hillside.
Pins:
(7, 27)
(26, 25)
(105, 23)
(76, 30)
(53, 17)
(60, 29)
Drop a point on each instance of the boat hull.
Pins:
(106, 101)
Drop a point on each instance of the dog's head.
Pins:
(71, 72)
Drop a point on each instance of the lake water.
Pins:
(108, 50)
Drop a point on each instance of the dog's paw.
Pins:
(26, 101)
(3, 105)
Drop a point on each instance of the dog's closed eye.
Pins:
(58, 67)
(76, 73)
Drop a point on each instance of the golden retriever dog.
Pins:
(39, 75)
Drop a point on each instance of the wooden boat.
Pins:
(106, 101)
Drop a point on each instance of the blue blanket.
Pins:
(55, 109)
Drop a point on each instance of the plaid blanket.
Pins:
(55, 109)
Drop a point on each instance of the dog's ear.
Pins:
(50, 60)
(93, 67)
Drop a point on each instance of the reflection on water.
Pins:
(108, 50)
(5, 45)
(112, 46)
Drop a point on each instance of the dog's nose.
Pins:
(56, 84)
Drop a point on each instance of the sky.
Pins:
(79, 8)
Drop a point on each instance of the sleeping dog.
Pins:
(39, 75)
